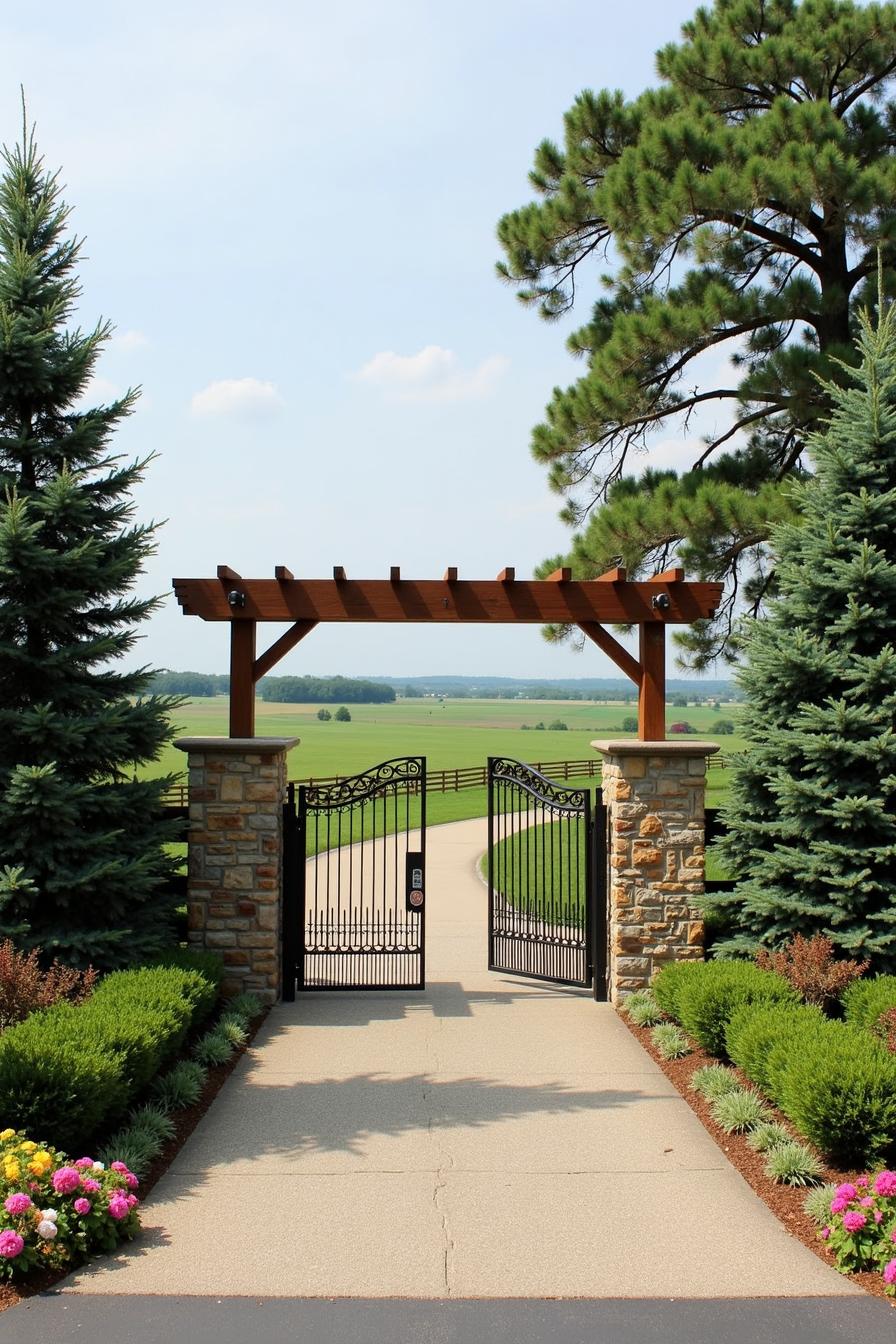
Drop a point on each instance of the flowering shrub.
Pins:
(861, 1230)
(54, 1213)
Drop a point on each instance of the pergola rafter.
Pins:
(651, 604)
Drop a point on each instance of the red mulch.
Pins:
(785, 1201)
(186, 1121)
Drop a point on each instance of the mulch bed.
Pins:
(186, 1121)
(785, 1201)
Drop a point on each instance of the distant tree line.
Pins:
(190, 683)
(290, 690)
(325, 691)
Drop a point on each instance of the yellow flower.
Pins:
(29, 1147)
(7, 1134)
(40, 1164)
(12, 1171)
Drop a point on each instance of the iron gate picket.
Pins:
(354, 900)
(547, 864)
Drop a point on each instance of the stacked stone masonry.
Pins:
(657, 858)
(237, 790)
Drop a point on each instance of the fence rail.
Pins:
(455, 780)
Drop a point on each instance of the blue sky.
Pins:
(289, 212)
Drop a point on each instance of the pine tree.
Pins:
(741, 204)
(82, 840)
(811, 814)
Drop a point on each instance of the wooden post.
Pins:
(652, 690)
(242, 681)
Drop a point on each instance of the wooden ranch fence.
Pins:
(462, 777)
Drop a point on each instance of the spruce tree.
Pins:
(82, 841)
(737, 208)
(811, 814)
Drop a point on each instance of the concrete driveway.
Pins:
(486, 1138)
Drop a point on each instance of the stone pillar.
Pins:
(654, 793)
(235, 856)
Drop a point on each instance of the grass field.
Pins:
(542, 872)
(449, 733)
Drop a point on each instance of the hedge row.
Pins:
(68, 1071)
(703, 995)
(834, 1080)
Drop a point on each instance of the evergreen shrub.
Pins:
(57, 1079)
(865, 1001)
(755, 1030)
(834, 1081)
(708, 996)
(668, 983)
(67, 1071)
(839, 1089)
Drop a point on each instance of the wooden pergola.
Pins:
(651, 604)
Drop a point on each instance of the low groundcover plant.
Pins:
(861, 1227)
(54, 1213)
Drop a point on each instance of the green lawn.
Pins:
(448, 733)
(542, 872)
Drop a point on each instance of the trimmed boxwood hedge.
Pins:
(702, 996)
(66, 1072)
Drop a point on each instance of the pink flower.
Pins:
(83, 1162)
(131, 1181)
(11, 1245)
(825, 1233)
(878, 1216)
(885, 1183)
(133, 1201)
(90, 1185)
(65, 1180)
(118, 1207)
(17, 1204)
(838, 1205)
(82, 1206)
(867, 1202)
(889, 1270)
(854, 1222)
(846, 1191)
(118, 1166)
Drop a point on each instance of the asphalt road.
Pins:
(63, 1319)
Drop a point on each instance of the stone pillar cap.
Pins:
(633, 746)
(263, 746)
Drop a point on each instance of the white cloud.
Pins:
(126, 341)
(246, 398)
(433, 374)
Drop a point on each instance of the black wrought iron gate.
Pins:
(354, 900)
(547, 865)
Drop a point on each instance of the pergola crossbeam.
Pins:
(651, 604)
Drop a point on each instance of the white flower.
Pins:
(99, 1166)
(49, 1215)
(47, 1230)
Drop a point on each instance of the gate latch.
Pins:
(414, 882)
